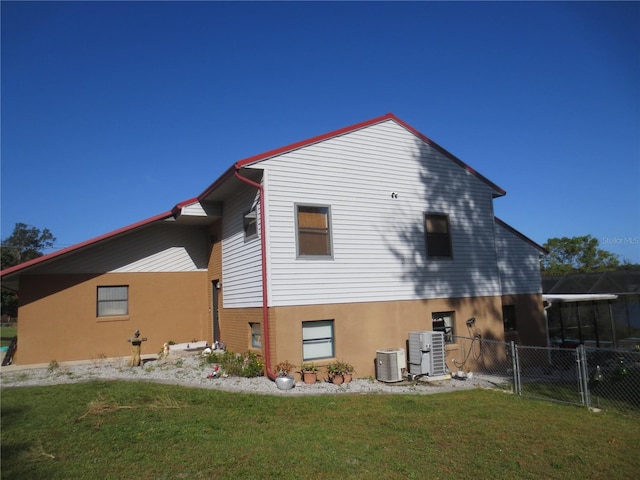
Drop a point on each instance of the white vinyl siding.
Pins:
(241, 261)
(519, 263)
(159, 247)
(378, 241)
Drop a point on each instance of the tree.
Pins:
(24, 244)
(577, 255)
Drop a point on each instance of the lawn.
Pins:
(116, 430)
(6, 334)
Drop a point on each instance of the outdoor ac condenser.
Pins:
(426, 353)
(389, 364)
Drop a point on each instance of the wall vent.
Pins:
(390, 363)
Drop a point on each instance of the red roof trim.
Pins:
(358, 126)
(522, 236)
(311, 141)
(450, 156)
(87, 243)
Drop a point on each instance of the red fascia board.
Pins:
(311, 141)
(221, 179)
(358, 126)
(175, 211)
(87, 243)
(451, 156)
(522, 236)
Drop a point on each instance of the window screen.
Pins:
(317, 339)
(113, 301)
(314, 233)
(437, 235)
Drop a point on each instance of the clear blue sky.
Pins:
(113, 112)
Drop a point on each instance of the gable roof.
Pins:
(508, 227)
(358, 126)
(229, 173)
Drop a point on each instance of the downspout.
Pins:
(263, 251)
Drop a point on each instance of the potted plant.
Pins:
(347, 371)
(334, 372)
(284, 379)
(309, 372)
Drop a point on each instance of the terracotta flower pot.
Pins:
(347, 377)
(309, 377)
(337, 379)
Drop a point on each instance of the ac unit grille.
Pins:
(427, 353)
(389, 364)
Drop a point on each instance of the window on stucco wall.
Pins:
(317, 340)
(113, 301)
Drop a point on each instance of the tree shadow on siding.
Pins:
(453, 190)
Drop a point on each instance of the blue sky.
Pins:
(114, 112)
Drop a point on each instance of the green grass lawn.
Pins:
(116, 430)
(6, 334)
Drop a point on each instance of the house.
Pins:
(369, 232)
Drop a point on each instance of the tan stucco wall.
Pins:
(363, 328)
(57, 316)
(530, 323)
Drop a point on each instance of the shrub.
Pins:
(241, 365)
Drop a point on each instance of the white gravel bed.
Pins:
(189, 371)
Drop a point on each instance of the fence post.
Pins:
(516, 368)
(583, 376)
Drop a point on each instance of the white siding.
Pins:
(241, 263)
(160, 247)
(519, 263)
(378, 242)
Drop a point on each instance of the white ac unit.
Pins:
(426, 353)
(390, 362)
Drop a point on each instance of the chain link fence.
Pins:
(608, 379)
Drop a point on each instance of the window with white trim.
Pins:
(317, 340)
(313, 225)
(444, 322)
(437, 235)
(250, 223)
(256, 335)
(113, 301)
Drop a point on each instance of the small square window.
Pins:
(444, 322)
(256, 335)
(250, 223)
(113, 301)
(317, 340)
(314, 230)
(437, 235)
(509, 318)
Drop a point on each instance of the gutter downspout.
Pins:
(263, 250)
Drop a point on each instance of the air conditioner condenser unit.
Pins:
(427, 353)
(390, 364)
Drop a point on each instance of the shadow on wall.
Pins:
(472, 271)
(186, 247)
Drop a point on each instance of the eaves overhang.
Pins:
(9, 275)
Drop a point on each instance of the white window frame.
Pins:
(112, 301)
(256, 334)
(318, 340)
(250, 223)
